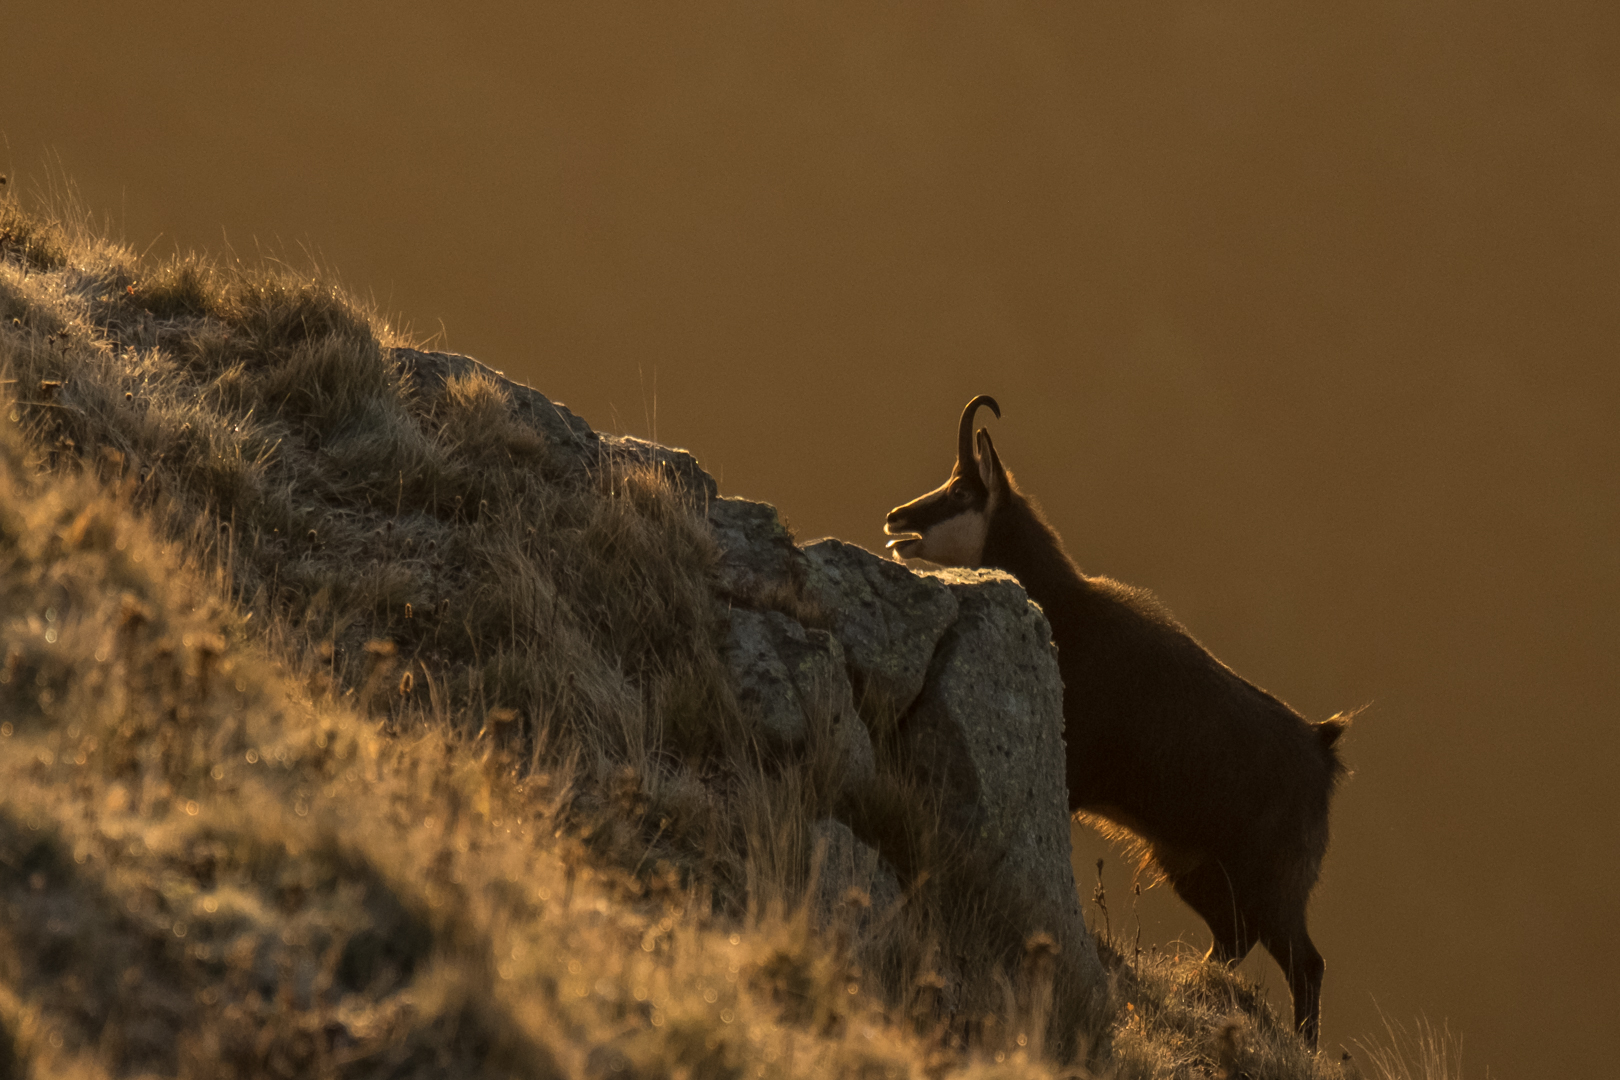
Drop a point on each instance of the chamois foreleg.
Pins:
(1296, 954)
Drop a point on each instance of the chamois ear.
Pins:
(993, 476)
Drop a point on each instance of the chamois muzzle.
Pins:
(905, 524)
(904, 538)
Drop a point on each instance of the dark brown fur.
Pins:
(1225, 785)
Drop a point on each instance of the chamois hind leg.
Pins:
(1296, 954)
(1210, 891)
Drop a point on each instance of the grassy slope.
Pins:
(351, 728)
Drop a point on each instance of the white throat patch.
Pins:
(956, 541)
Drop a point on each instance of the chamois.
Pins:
(1224, 785)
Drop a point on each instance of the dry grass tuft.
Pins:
(1423, 1053)
(1181, 1016)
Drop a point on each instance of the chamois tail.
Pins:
(1329, 730)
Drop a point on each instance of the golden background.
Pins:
(1306, 316)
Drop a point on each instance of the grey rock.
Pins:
(987, 731)
(787, 677)
(852, 745)
(757, 553)
(849, 863)
(764, 689)
(888, 619)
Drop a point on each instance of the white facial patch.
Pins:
(956, 541)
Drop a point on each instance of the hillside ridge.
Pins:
(367, 713)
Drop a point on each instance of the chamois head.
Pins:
(948, 525)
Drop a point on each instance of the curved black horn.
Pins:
(964, 438)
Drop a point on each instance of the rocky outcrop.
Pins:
(987, 732)
(994, 695)
(828, 643)
(960, 666)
